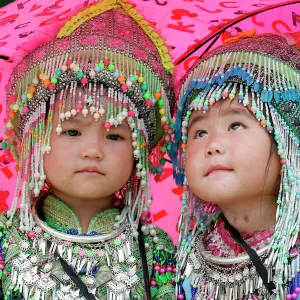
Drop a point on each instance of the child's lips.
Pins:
(92, 170)
(217, 168)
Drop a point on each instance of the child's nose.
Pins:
(215, 146)
(93, 150)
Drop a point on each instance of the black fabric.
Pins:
(260, 267)
(144, 263)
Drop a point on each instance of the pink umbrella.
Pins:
(191, 27)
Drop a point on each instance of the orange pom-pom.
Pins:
(46, 82)
(183, 146)
(12, 114)
(32, 89)
(121, 79)
(157, 95)
(263, 123)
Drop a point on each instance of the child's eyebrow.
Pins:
(236, 111)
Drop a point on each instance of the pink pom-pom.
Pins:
(131, 113)
(169, 269)
(106, 125)
(51, 86)
(200, 106)
(138, 73)
(106, 62)
(253, 109)
(212, 101)
(157, 268)
(31, 235)
(295, 296)
(149, 103)
(64, 68)
(162, 271)
(297, 289)
(84, 81)
(289, 297)
(78, 106)
(124, 87)
(69, 62)
(25, 109)
(153, 283)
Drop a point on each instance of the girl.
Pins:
(85, 111)
(236, 152)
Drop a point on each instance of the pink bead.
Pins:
(153, 283)
(162, 271)
(253, 108)
(51, 86)
(200, 106)
(174, 270)
(138, 73)
(69, 61)
(149, 103)
(64, 68)
(31, 235)
(106, 62)
(166, 127)
(297, 289)
(106, 125)
(212, 101)
(283, 162)
(124, 87)
(1, 266)
(169, 269)
(25, 109)
(131, 113)
(224, 95)
(289, 297)
(180, 296)
(295, 296)
(84, 81)
(78, 106)
(157, 268)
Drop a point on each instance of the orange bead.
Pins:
(183, 146)
(157, 95)
(32, 89)
(46, 82)
(12, 114)
(121, 79)
(263, 123)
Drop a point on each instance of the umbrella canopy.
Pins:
(190, 27)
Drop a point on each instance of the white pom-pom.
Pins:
(92, 109)
(58, 130)
(36, 192)
(68, 115)
(96, 116)
(139, 166)
(101, 111)
(48, 149)
(43, 177)
(73, 112)
(124, 114)
(134, 135)
(85, 112)
(62, 116)
(37, 175)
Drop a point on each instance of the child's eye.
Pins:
(72, 132)
(200, 134)
(236, 126)
(114, 137)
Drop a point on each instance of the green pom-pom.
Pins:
(111, 67)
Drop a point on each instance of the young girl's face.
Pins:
(228, 153)
(86, 160)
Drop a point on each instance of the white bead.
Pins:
(129, 119)
(164, 119)
(116, 225)
(134, 144)
(134, 135)
(124, 114)
(9, 125)
(15, 107)
(115, 123)
(37, 175)
(280, 152)
(136, 152)
(139, 166)
(72, 65)
(143, 173)
(149, 202)
(156, 239)
(92, 109)
(96, 116)
(31, 185)
(40, 184)
(48, 149)
(135, 234)
(143, 183)
(146, 209)
(58, 130)
(73, 112)
(119, 119)
(138, 174)
(132, 125)
(43, 177)
(129, 83)
(101, 111)
(150, 226)
(85, 112)
(76, 68)
(147, 245)
(62, 116)
(21, 227)
(111, 121)
(185, 123)
(92, 74)
(64, 68)
(144, 228)
(153, 232)
(118, 218)
(8, 223)
(68, 114)
(36, 192)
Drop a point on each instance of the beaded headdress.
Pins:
(263, 72)
(108, 45)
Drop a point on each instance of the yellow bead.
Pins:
(141, 79)
(162, 111)
(29, 96)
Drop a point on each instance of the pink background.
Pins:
(183, 23)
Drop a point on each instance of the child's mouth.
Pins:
(216, 169)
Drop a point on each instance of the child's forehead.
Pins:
(222, 108)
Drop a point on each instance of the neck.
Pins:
(251, 215)
(85, 208)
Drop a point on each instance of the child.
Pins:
(86, 109)
(236, 152)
